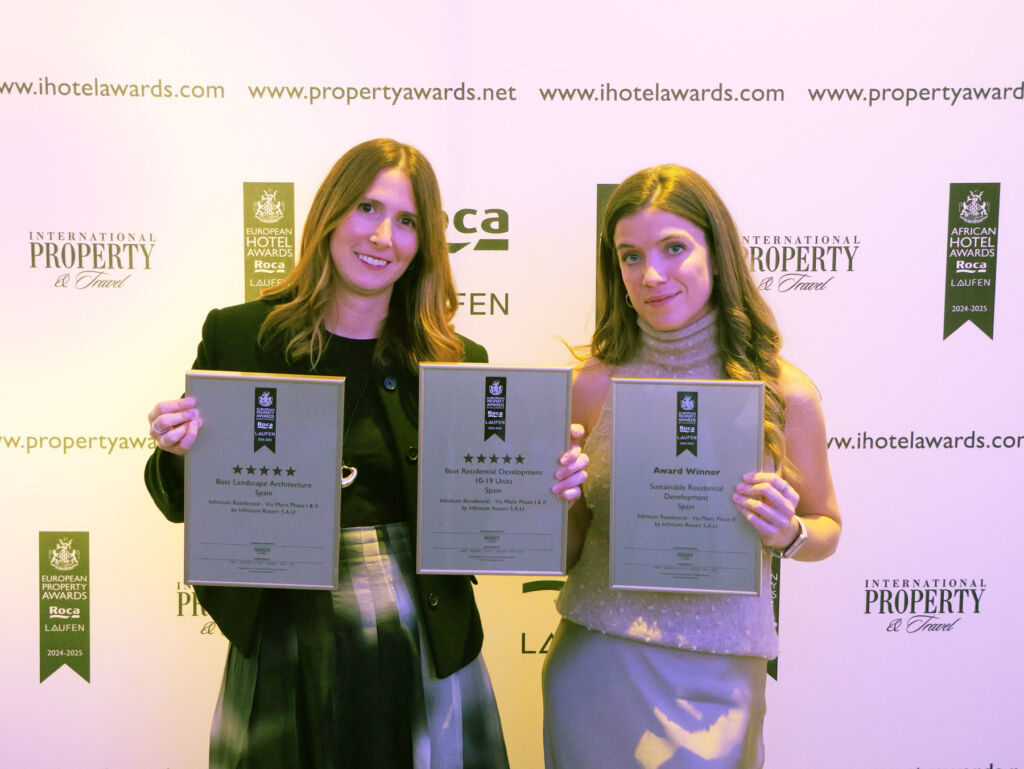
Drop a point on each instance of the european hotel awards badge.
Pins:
(269, 236)
(971, 244)
(63, 602)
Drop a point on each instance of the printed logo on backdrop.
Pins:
(494, 407)
(529, 643)
(686, 422)
(973, 234)
(189, 606)
(927, 606)
(86, 259)
(63, 602)
(479, 230)
(264, 427)
(786, 263)
(269, 234)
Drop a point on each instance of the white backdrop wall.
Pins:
(870, 173)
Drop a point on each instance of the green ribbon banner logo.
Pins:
(495, 406)
(269, 236)
(63, 602)
(687, 422)
(971, 244)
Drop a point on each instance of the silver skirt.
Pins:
(612, 702)
(353, 685)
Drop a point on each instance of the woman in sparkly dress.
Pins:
(677, 680)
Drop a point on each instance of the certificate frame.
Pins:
(673, 525)
(489, 440)
(262, 490)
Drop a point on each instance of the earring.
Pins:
(629, 302)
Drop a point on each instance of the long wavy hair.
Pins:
(423, 301)
(745, 330)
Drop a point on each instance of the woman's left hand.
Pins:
(769, 502)
(570, 473)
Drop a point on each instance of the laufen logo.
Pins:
(532, 642)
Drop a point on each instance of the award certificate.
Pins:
(262, 493)
(679, 447)
(490, 439)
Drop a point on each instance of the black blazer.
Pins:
(448, 610)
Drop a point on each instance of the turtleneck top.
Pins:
(713, 623)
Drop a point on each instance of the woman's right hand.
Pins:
(175, 424)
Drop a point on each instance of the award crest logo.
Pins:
(495, 388)
(62, 557)
(974, 210)
(265, 399)
(268, 209)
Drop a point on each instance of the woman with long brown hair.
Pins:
(655, 679)
(385, 671)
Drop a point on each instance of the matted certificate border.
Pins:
(662, 432)
(320, 430)
(538, 417)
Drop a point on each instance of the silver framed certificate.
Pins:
(262, 492)
(679, 447)
(489, 440)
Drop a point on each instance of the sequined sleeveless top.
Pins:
(718, 624)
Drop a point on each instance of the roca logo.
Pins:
(470, 221)
(62, 612)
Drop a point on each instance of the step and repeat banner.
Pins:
(159, 161)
